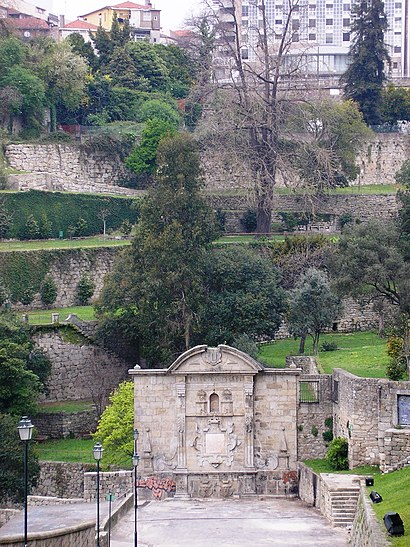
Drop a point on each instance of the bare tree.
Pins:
(257, 110)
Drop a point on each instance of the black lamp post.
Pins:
(25, 429)
(135, 460)
(97, 453)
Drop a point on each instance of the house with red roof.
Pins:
(144, 20)
(84, 28)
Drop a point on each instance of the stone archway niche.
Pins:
(219, 424)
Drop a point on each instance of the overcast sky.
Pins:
(173, 12)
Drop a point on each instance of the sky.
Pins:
(173, 12)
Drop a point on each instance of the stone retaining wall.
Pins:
(378, 162)
(367, 530)
(311, 419)
(62, 425)
(79, 372)
(61, 479)
(119, 483)
(65, 167)
(365, 413)
(396, 449)
(81, 535)
(6, 515)
(313, 490)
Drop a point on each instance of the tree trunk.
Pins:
(53, 118)
(302, 343)
(316, 343)
(263, 220)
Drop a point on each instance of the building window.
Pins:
(214, 402)
(312, 37)
(346, 7)
(244, 53)
(278, 21)
(346, 37)
(309, 391)
(397, 5)
(245, 11)
(312, 23)
(295, 37)
(329, 38)
(295, 24)
(395, 65)
(329, 6)
(329, 22)
(397, 49)
(346, 22)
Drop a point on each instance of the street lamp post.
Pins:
(25, 429)
(97, 453)
(135, 460)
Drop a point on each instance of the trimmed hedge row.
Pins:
(64, 212)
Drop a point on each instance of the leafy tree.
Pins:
(402, 176)
(31, 229)
(312, 307)
(6, 219)
(20, 368)
(48, 291)
(126, 227)
(156, 289)
(85, 289)
(45, 227)
(106, 41)
(365, 76)
(80, 47)
(116, 425)
(11, 471)
(12, 52)
(160, 110)
(149, 65)
(395, 104)
(337, 454)
(242, 297)
(143, 158)
(181, 66)
(32, 93)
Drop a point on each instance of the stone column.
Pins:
(248, 422)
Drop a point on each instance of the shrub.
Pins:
(314, 431)
(27, 296)
(85, 289)
(126, 227)
(345, 218)
(337, 454)
(327, 436)
(329, 346)
(245, 343)
(45, 227)
(31, 229)
(48, 291)
(397, 368)
(248, 221)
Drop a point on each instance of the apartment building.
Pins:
(319, 31)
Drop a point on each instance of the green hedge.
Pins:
(64, 210)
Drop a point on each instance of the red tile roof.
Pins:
(81, 25)
(131, 5)
(29, 23)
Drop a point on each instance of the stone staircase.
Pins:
(343, 501)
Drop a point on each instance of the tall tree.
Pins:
(156, 290)
(312, 307)
(365, 76)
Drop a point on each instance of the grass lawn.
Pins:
(321, 466)
(68, 406)
(66, 450)
(374, 189)
(393, 487)
(43, 317)
(361, 353)
(246, 239)
(95, 241)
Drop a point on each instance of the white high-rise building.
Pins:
(320, 32)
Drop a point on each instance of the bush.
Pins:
(337, 454)
(48, 291)
(126, 227)
(85, 289)
(31, 229)
(345, 218)
(397, 368)
(245, 343)
(27, 296)
(329, 346)
(248, 221)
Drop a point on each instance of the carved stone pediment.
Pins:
(223, 359)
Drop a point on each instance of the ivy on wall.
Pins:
(55, 212)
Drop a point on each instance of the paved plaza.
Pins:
(255, 523)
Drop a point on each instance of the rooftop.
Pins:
(81, 25)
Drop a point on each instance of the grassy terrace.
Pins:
(66, 450)
(361, 353)
(43, 317)
(44, 244)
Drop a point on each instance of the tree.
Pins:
(312, 307)
(103, 214)
(258, 120)
(372, 259)
(6, 219)
(20, 368)
(155, 292)
(243, 297)
(365, 76)
(11, 473)
(85, 289)
(395, 104)
(116, 425)
(106, 41)
(80, 47)
(143, 159)
(48, 291)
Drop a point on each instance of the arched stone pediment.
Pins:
(208, 360)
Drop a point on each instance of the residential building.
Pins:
(320, 32)
(84, 28)
(29, 20)
(144, 20)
